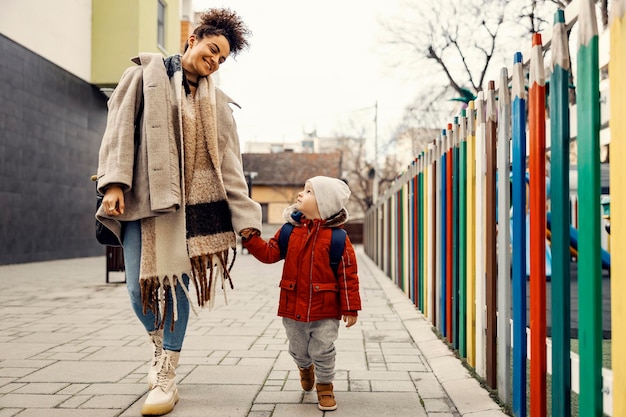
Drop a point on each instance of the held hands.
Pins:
(113, 201)
(248, 232)
(350, 320)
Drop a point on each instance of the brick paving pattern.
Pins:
(71, 347)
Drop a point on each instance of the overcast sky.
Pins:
(311, 66)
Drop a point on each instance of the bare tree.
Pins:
(535, 15)
(453, 46)
(454, 40)
(455, 43)
(360, 172)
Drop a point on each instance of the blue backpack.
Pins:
(337, 244)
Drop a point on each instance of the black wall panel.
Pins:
(51, 124)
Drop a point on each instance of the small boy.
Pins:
(313, 298)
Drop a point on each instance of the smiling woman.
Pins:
(174, 190)
(219, 34)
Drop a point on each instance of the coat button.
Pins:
(317, 287)
(298, 316)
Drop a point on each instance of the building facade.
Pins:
(275, 179)
(61, 59)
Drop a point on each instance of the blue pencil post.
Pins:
(518, 261)
(444, 253)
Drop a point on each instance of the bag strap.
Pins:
(283, 239)
(337, 244)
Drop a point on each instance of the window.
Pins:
(161, 23)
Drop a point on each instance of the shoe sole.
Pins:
(159, 409)
(321, 407)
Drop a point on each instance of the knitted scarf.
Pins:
(205, 230)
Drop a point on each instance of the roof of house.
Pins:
(291, 168)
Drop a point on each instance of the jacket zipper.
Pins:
(316, 230)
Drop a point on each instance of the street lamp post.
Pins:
(376, 176)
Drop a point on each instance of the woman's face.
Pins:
(204, 56)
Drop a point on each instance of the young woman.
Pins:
(174, 189)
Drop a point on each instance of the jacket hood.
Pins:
(293, 216)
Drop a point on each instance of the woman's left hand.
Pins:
(113, 201)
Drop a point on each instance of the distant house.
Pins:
(275, 179)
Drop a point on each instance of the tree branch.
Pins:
(432, 54)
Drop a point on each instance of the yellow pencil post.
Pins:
(471, 231)
(617, 124)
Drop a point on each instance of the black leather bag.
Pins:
(103, 234)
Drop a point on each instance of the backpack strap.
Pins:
(283, 239)
(337, 245)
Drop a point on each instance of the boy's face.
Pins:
(307, 203)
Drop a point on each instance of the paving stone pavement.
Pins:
(72, 347)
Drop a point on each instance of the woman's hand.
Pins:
(350, 320)
(248, 232)
(113, 201)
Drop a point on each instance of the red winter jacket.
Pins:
(309, 289)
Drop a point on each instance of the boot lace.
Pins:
(157, 342)
(165, 366)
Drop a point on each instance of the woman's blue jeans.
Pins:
(172, 340)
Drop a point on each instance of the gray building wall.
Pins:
(51, 124)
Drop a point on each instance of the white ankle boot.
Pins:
(157, 348)
(164, 395)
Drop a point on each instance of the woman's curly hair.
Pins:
(224, 22)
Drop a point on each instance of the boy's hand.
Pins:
(248, 232)
(350, 320)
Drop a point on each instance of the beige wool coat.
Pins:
(149, 168)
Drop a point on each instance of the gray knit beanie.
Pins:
(331, 194)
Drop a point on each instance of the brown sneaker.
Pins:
(307, 378)
(325, 397)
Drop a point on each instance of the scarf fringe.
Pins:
(218, 268)
(154, 293)
(156, 290)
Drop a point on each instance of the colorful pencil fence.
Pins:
(456, 229)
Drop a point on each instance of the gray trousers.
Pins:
(314, 343)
